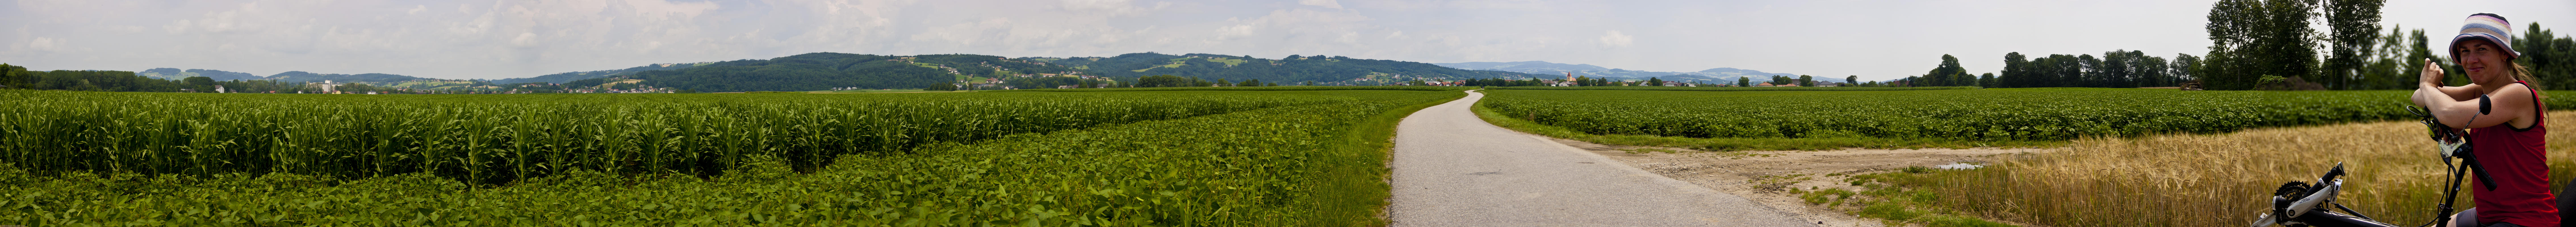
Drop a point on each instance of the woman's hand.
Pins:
(2432, 75)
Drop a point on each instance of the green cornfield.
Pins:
(1965, 114)
(1267, 88)
(1671, 88)
(1162, 158)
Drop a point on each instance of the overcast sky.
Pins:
(492, 39)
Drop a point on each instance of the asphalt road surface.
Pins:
(1452, 169)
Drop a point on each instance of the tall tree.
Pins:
(1851, 80)
(2355, 24)
(2548, 55)
(2090, 71)
(2015, 71)
(9, 76)
(2182, 67)
(2256, 38)
(1806, 81)
(1947, 74)
(1744, 81)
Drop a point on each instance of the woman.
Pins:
(2507, 136)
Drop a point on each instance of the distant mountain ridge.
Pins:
(289, 76)
(584, 75)
(175, 74)
(1551, 68)
(822, 71)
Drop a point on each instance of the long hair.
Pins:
(2524, 74)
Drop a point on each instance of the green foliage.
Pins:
(2549, 56)
(816, 71)
(1969, 115)
(1653, 88)
(572, 76)
(2115, 69)
(1947, 74)
(2354, 25)
(1282, 88)
(1168, 81)
(503, 138)
(1316, 162)
(2251, 38)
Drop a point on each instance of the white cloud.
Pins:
(1323, 3)
(1229, 32)
(44, 44)
(1616, 39)
(416, 9)
(1110, 7)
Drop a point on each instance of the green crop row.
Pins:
(1671, 88)
(505, 137)
(1974, 114)
(1269, 88)
(1290, 165)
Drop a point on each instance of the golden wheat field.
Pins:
(2219, 179)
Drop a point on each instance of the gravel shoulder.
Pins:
(1734, 172)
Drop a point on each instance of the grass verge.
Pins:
(1359, 184)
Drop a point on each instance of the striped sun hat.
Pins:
(2487, 26)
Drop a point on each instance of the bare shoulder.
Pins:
(2516, 97)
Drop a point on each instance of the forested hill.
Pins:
(176, 74)
(823, 71)
(1294, 68)
(572, 76)
(290, 76)
(302, 77)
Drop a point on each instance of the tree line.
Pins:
(18, 77)
(2271, 44)
(2260, 44)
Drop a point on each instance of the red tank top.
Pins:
(2518, 161)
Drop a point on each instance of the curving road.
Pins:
(1452, 169)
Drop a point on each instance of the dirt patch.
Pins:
(1766, 176)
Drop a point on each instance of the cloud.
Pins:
(1109, 7)
(1323, 3)
(44, 44)
(1616, 39)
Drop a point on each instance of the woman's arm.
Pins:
(2513, 101)
(2431, 79)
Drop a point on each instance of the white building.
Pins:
(329, 87)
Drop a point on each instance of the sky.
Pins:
(494, 39)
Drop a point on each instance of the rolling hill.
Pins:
(824, 71)
(175, 74)
(572, 76)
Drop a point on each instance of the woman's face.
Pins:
(2484, 61)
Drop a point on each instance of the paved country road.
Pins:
(1452, 169)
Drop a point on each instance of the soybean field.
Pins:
(1166, 158)
(1962, 114)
